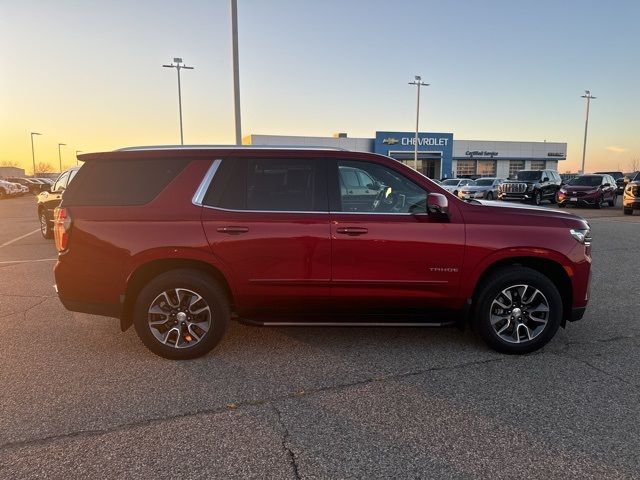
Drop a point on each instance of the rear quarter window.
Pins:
(122, 182)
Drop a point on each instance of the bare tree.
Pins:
(634, 164)
(9, 163)
(42, 167)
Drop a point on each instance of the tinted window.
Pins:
(122, 182)
(388, 191)
(586, 181)
(528, 175)
(269, 184)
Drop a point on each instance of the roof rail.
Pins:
(227, 147)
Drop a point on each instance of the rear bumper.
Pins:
(631, 202)
(93, 308)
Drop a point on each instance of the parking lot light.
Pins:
(60, 154)
(33, 153)
(587, 95)
(77, 152)
(419, 83)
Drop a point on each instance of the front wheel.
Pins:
(518, 310)
(489, 196)
(612, 202)
(181, 314)
(599, 202)
(537, 198)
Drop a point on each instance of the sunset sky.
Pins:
(89, 73)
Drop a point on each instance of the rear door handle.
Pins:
(233, 230)
(353, 231)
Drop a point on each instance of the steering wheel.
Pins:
(381, 198)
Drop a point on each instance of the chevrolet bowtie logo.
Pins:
(390, 141)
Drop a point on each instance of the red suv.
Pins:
(175, 240)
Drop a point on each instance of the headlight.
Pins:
(562, 190)
(582, 236)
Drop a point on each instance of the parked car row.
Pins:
(535, 186)
(11, 189)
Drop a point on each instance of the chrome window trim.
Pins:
(198, 197)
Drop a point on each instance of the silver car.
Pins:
(486, 187)
(454, 185)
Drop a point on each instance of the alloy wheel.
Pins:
(519, 313)
(179, 318)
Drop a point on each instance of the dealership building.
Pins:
(439, 155)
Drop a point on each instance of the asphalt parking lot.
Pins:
(80, 399)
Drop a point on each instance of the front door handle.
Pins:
(233, 230)
(353, 231)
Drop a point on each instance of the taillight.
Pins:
(61, 228)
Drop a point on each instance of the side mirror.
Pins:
(437, 204)
(374, 186)
(545, 179)
(606, 184)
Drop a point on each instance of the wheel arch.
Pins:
(547, 267)
(145, 272)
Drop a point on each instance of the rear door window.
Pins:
(270, 184)
(122, 182)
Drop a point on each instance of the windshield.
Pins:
(615, 175)
(451, 181)
(586, 181)
(484, 182)
(529, 175)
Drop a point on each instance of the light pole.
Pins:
(178, 67)
(589, 97)
(33, 152)
(236, 70)
(419, 83)
(60, 154)
(77, 152)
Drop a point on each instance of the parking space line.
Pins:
(19, 238)
(29, 261)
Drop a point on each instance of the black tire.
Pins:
(2, 194)
(599, 202)
(45, 225)
(490, 290)
(537, 198)
(201, 284)
(612, 203)
(489, 196)
(553, 199)
(562, 204)
(628, 211)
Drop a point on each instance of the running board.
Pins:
(267, 323)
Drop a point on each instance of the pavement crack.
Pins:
(236, 405)
(598, 369)
(286, 440)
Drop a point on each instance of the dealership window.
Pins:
(514, 167)
(538, 164)
(465, 168)
(486, 168)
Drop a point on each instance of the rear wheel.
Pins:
(181, 314)
(45, 225)
(518, 310)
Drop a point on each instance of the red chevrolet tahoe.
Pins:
(177, 240)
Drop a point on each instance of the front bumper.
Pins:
(521, 197)
(631, 202)
(590, 200)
